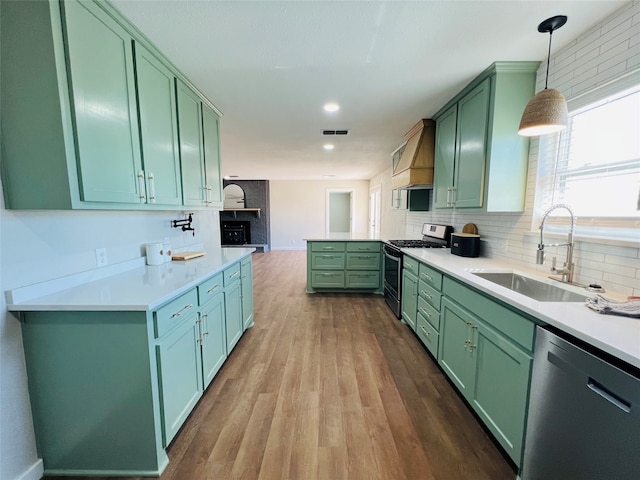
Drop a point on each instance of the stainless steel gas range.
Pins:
(433, 236)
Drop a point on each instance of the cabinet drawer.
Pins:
(429, 294)
(363, 261)
(327, 246)
(321, 279)
(327, 261)
(363, 246)
(167, 317)
(429, 313)
(210, 288)
(410, 264)
(428, 335)
(430, 276)
(232, 274)
(362, 279)
(503, 319)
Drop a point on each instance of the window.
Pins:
(594, 167)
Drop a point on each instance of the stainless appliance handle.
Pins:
(395, 259)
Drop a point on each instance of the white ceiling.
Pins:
(269, 66)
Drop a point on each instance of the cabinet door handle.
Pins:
(179, 312)
(141, 186)
(453, 196)
(152, 187)
(207, 194)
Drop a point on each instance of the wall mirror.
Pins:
(233, 196)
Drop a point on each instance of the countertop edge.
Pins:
(46, 302)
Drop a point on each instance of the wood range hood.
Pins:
(415, 167)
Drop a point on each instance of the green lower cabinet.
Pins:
(329, 279)
(344, 266)
(93, 393)
(363, 279)
(490, 370)
(246, 277)
(409, 300)
(427, 334)
(501, 388)
(454, 355)
(214, 338)
(233, 314)
(180, 378)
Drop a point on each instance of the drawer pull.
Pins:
(429, 277)
(425, 313)
(213, 289)
(328, 248)
(426, 294)
(179, 312)
(234, 275)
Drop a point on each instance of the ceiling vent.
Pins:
(335, 132)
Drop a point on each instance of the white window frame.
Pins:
(611, 228)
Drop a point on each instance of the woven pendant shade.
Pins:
(545, 113)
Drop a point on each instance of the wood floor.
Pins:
(329, 386)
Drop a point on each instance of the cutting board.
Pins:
(186, 255)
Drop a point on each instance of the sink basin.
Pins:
(540, 291)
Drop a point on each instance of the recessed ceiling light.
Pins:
(331, 107)
(328, 176)
(328, 146)
(228, 177)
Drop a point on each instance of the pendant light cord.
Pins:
(546, 80)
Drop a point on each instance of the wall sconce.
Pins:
(547, 111)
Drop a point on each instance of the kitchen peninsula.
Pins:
(116, 364)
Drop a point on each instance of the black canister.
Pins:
(465, 244)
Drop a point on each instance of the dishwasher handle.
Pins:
(608, 395)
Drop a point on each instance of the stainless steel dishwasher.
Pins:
(584, 414)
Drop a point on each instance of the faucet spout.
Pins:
(567, 269)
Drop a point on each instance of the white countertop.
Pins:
(619, 336)
(141, 288)
(341, 237)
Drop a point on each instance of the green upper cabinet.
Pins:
(158, 129)
(480, 160)
(213, 176)
(100, 61)
(445, 157)
(90, 115)
(199, 149)
(191, 149)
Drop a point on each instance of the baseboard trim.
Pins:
(34, 472)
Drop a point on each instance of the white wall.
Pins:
(299, 208)
(602, 54)
(41, 245)
(392, 221)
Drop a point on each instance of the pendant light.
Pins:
(546, 112)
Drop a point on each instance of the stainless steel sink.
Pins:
(540, 291)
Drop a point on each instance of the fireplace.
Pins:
(235, 232)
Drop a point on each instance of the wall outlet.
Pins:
(101, 257)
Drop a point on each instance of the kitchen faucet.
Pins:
(566, 271)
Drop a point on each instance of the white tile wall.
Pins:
(609, 50)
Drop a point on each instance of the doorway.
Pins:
(339, 211)
(374, 212)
